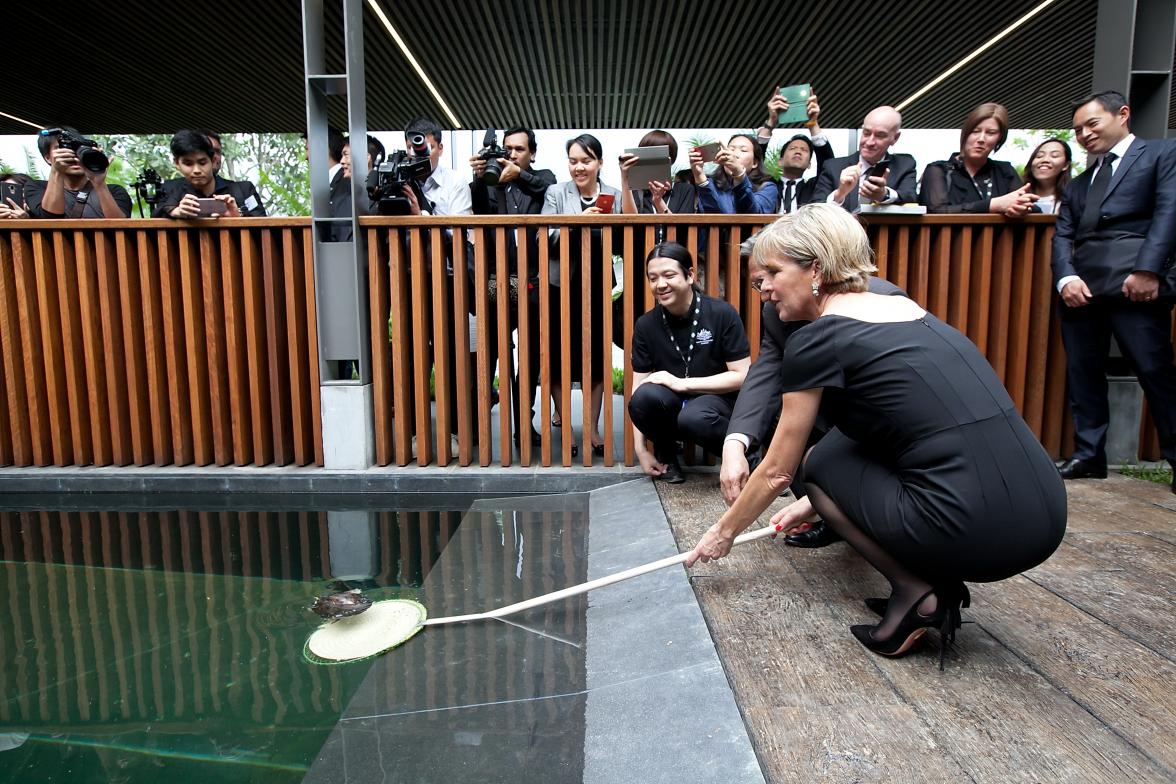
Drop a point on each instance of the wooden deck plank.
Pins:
(1041, 687)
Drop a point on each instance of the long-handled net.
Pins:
(392, 622)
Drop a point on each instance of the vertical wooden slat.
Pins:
(420, 330)
(311, 360)
(172, 374)
(733, 269)
(131, 301)
(195, 350)
(982, 322)
(461, 347)
(959, 272)
(939, 274)
(544, 327)
(882, 252)
(378, 311)
(401, 345)
(442, 383)
(93, 354)
(275, 348)
(143, 289)
(300, 419)
(214, 314)
(525, 390)
(630, 299)
(1037, 342)
(606, 310)
(73, 349)
(257, 368)
(587, 381)
(992, 329)
(919, 281)
(711, 280)
(52, 358)
(506, 389)
(236, 345)
(17, 388)
(1021, 295)
(900, 275)
(565, 344)
(117, 357)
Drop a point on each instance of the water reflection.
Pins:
(139, 644)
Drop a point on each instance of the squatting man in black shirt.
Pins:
(690, 355)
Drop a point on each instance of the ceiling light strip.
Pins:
(379, 12)
(21, 120)
(991, 42)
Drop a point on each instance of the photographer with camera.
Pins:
(77, 186)
(200, 193)
(505, 184)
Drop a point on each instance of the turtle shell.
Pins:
(340, 605)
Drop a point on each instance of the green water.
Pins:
(167, 646)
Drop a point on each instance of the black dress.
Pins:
(928, 455)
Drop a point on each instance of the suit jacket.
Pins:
(902, 178)
(1136, 227)
(822, 152)
(563, 198)
(339, 206)
(758, 404)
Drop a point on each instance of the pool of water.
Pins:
(166, 643)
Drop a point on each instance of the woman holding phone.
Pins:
(583, 194)
(740, 185)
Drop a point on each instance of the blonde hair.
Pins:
(821, 234)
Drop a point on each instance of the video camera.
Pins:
(91, 158)
(385, 183)
(490, 153)
(149, 189)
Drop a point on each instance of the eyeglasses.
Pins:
(757, 284)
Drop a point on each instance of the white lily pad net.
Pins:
(381, 627)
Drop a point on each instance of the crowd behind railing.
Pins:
(721, 178)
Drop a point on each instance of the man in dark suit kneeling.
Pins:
(758, 406)
(1113, 267)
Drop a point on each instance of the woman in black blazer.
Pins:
(970, 181)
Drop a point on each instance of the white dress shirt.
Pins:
(449, 193)
(1119, 150)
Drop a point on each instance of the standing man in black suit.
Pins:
(871, 175)
(758, 406)
(795, 191)
(1113, 267)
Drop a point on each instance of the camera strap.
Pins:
(81, 199)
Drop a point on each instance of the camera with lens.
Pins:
(91, 158)
(386, 182)
(490, 153)
(149, 188)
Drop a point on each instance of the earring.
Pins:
(816, 289)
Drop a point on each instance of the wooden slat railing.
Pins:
(158, 343)
(987, 276)
(169, 343)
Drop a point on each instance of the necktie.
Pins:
(788, 195)
(1096, 194)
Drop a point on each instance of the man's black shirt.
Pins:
(521, 196)
(243, 192)
(34, 194)
(720, 339)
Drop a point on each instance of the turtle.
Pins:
(344, 604)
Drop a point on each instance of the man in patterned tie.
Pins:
(798, 151)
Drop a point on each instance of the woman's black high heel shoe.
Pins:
(909, 630)
(877, 604)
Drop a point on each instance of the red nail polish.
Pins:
(779, 526)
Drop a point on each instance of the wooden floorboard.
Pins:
(1066, 673)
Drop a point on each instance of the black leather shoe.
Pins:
(820, 535)
(1082, 469)
(673, 474)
